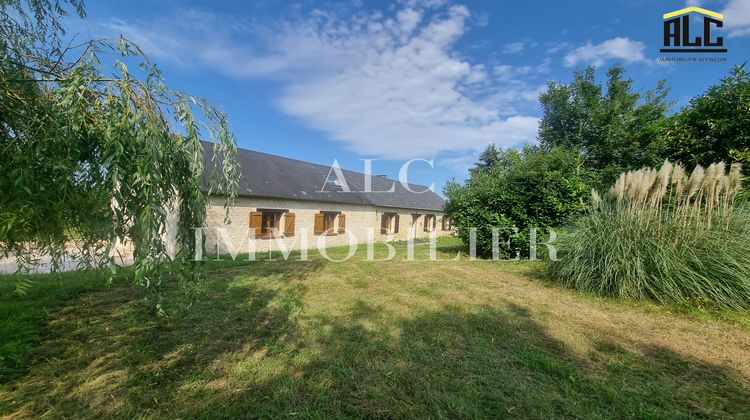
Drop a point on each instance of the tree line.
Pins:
(589, 134)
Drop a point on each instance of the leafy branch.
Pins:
(90, 159)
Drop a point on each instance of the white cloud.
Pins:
(737, 17)
(619, 48)
(554, 47)
(508, 72)
(544, 66)
(460, 163)
(164, 48)
(514, 48)
(386, 85)
(518, 47)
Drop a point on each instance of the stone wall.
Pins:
(409, 219)
(359, 219)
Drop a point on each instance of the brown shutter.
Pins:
(319, 224)
(426, 226)
(442, 222)
(342, 223)
(289, 224)
(256, 221)
(384, 219)
(396, 222)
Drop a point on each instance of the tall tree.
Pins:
(489, 156)
(614, 129)
(715, 126)
(95, 147)
(496, 159)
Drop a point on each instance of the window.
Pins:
(326, 223)
(446, 223)
(270, 225)
(389, 223)
(267, 224)
(429, 222)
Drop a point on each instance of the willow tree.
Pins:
(96, 148)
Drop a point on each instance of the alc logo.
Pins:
(677, 37)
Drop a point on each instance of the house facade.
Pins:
(287, 204)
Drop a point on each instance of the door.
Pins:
(413, 229)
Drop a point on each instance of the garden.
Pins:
(270, 338)
(642, 310)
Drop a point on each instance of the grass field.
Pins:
(365, 339)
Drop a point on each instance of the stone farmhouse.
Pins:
(286, 204)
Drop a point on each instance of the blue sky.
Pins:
(394, 81)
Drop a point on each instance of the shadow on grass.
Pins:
(23, 317)
(104, 353)
(452, 249)
(247, 350)
(485, 362)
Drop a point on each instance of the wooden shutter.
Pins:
(342, 223)
(443, 224)
(319, 222)
(256, 221)
(426, 226)
(395, 228)
(384, 219)
(289, 224)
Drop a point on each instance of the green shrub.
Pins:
(663, 236)
(534, 188)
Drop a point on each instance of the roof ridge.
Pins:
(268, 175)
(316, 164)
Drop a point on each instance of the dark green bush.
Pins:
(533, 188)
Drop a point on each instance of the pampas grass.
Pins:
(663, 235)
(706, 194)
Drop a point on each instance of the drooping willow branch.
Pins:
(98, 154)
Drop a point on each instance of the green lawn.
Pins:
(365, 339)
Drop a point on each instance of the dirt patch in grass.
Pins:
(381, 339)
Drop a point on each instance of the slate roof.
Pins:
(271, 176)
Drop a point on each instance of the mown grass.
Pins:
(24, 317)
(378, 339)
